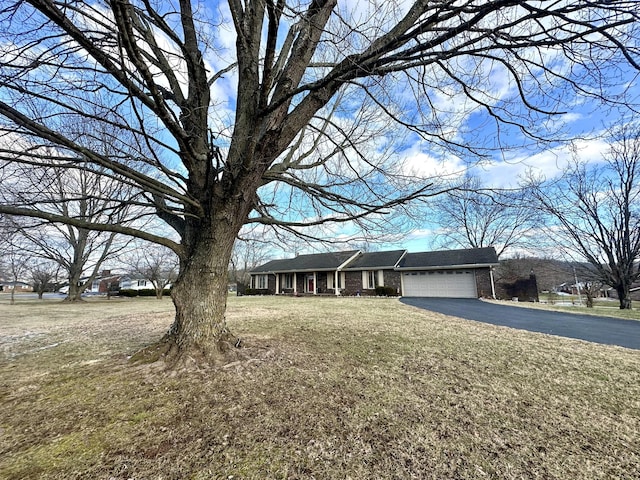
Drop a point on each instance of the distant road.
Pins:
(30, 295)
(605, 330)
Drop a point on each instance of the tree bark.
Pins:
(624, 297)
(589, 298)
(75, 291)
(199, 333)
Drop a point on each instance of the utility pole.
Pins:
(575, 275)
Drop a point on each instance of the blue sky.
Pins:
(508, 153)
(581, 118)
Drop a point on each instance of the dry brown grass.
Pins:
(343, 388)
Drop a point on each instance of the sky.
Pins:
(508, 155)
(581, 119)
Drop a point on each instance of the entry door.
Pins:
(310, 284)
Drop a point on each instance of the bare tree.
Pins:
(591, 289)
(70, 192)
(44, 275)
(157, 264)
(595, 212)
(305, 136)
(14, 260)
(474, 216)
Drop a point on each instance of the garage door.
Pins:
(440, 283)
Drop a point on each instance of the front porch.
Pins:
(299, 283)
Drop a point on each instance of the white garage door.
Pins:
(440, 283)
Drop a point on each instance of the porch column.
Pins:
(295, 283)
(315, 283)
(336, 275)
(277, 283)
(493, 286)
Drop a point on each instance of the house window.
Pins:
(331, 280)
(261, 282)
(142, 283)
(287, 280)
(369, 279)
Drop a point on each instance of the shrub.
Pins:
(386, 292)
(128, 292)
(147, 292)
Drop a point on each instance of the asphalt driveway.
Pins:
(606, 330)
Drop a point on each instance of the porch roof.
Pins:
(314, 262)
(377, 260)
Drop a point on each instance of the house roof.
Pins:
(377, 260)
(312, 262)
(393, 259)
(15, 284)
(468, 257)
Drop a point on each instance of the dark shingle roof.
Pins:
(471, 257)
(377, 260)
(312, 262)
(450, 258)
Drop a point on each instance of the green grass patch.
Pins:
(344, 388)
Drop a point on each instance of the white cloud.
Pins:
(417, 163)
(548, 163)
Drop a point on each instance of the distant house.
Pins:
(465, 273)
(137, 282)
(6, 286)
(569, 288)
(104, 283)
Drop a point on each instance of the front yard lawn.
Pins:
(332, 388)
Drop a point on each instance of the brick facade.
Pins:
(353, 283)
(483, 283)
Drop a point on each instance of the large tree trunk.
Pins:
(75, 291)
(199, 334)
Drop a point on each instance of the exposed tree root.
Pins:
(168, 355)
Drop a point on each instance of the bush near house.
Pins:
(127, 292)
(386, 292)
(147, 292)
